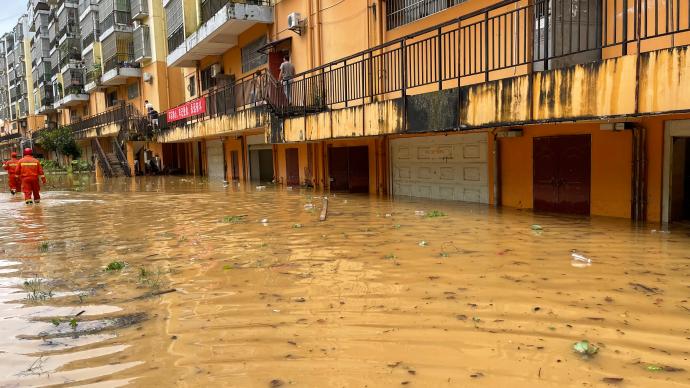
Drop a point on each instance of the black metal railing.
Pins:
(247, 92)
(504, 36)
(102, 158)
(121, 60)
(121, 155)
(11, 136)
(176, 39)
(117, 114)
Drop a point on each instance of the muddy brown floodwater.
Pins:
(377, 295)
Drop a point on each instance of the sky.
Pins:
(11, 10)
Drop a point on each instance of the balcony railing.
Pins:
(211, 7)
(508, 35)
(176, 39)
(122, 18)
(94, 75)
(140, 8)
(115, 115)
(246, 92)
(121, 60)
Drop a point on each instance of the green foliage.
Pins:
(60, 140)
(43, 247)
(81, 165)
(233, 219)
(585, 348)
(37, 290)
(116, 266)
(73, 323)
(435, 213)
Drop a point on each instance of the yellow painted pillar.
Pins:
(129, 148)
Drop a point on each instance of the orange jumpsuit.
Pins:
(29, 169)
(11, 167)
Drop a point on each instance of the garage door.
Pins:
(214, 155)
(441, 167)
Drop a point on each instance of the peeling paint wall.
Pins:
(107, 130)
(597, 89)
(372, 119)
(502, 101)
(664, 80)
(222, 125)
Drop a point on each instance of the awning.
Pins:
(269, 45)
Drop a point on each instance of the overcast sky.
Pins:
(10, 12)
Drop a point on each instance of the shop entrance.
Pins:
(348, 169)
(676, 180)
(562, 174)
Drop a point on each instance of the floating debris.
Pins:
(435, 213)
(115, 266)
(579, 261)
(420, 213)
(423, 243)
(585, 349)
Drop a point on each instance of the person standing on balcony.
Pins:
(287, 71)
(11, 167)
(29, 169)
(148, 106)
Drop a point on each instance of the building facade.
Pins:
(553, 105)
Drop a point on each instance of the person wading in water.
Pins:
(29, 169)
(11, 167)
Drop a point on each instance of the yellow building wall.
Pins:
(611, 172)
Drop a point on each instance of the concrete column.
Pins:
(129, 152)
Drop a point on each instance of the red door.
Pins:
(274, 61)
(292, 166)
(562, 174)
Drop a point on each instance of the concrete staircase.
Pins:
(115, 164)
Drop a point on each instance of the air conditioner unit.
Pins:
(295, 22)
(147, 77)
(215, 70)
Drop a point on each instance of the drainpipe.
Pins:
(496, 170)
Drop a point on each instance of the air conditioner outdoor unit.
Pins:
(295, 22)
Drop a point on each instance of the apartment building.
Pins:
(551, 105)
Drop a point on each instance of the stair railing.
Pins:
(121, 157)
(102, 159)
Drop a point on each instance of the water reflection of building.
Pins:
(548, 105)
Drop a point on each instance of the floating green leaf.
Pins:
(233, 219)
(655, 368)
(585, 348)
(435, 213)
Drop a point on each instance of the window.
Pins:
(251, 58)
(207, 79)
(111, 98)
(132, 90)
(191, 86)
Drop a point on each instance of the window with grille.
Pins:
(207, 81)
(173, 12)
(132, 90)
(401, 12)
(251, 58)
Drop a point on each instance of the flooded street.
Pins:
(234, 287)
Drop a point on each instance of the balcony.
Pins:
(119, 63)
(222, 23)
(140, 9)
(142, 43)
(116, 21)
(73, 96)
(93, 80)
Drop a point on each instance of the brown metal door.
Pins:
(292, 166)
(545, 161)
(574, 173)
(338, 168)
(562, 174)
(358, 169)
(235, 165)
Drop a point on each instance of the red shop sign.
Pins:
(188, 109)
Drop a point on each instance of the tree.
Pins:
(60, 140)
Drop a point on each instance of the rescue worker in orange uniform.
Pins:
(29, 169)
(11, 167)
